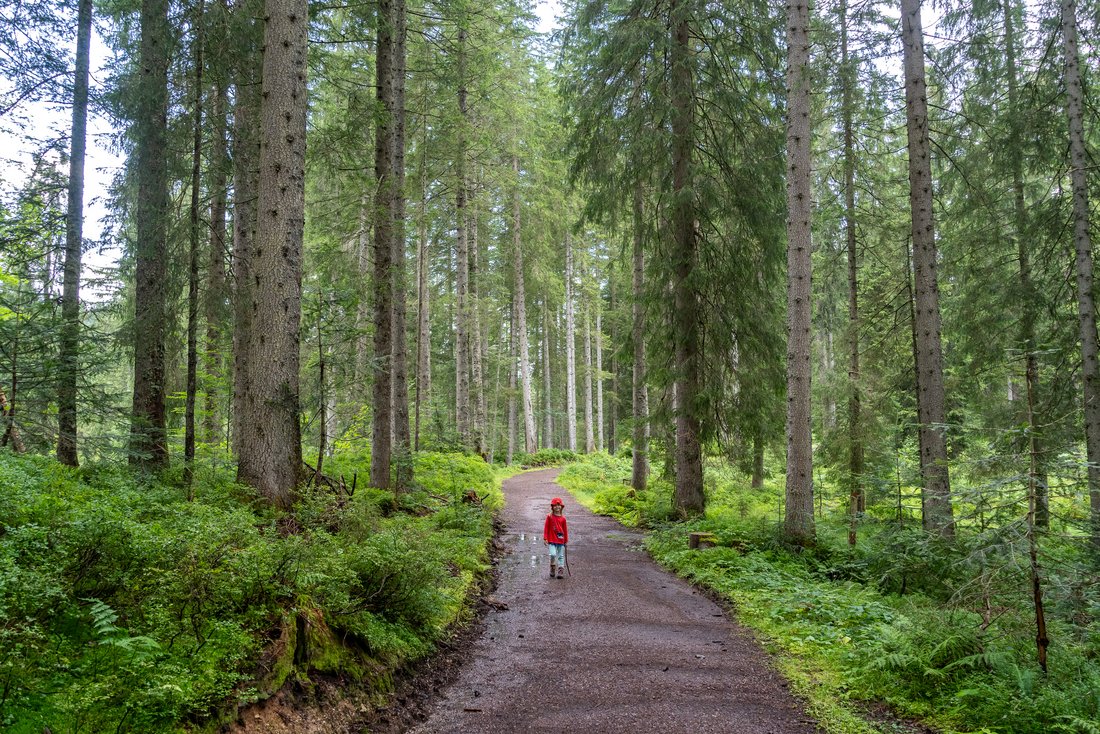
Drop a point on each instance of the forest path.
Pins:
(620, 646)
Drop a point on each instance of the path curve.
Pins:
(620, 646)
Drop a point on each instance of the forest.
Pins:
(815, 280)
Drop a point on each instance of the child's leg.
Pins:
(557, 559)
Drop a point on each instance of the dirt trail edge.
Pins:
(620, 646)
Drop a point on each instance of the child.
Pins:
(555, 534)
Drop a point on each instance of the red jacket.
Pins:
(555, 529)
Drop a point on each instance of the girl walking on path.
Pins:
(555, 534)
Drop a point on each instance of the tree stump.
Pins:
(702, 540)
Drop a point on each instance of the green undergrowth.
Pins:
(546, 457)
(941, 634)
(124, 607)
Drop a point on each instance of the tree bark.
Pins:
(1028, 296)
(384, 168)
(589, 433)
(855, 430)
(931, 401)
(11, 431)
(689, 499)
(246, 154)
(757, 461)
(193, 257)
(597, 345)
(530, 442)
(462, 329)
(613, 403)
(639, 392)
(402, 439)
(548, 416)
(148, 427)
(272, 461)
(423, 329)
(69, 356)
(246, 135)
(570, 349)
(512, 384)
(364, 242)
(1086, 309)
(215, 274)
(477, 385)
(799, 507)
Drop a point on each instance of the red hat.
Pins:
(557, 501)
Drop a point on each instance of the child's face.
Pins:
(556, 509)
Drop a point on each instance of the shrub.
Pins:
(125, 607)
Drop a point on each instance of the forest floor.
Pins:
(620, 645)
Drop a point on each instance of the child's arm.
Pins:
(546, 531)
(565, 530)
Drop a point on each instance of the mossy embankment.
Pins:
(124, 606)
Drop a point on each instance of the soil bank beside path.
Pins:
(620, 646)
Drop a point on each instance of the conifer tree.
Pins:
(931, 407)
(272, 460)
(69, 356)
(799, 518)
(148, 427)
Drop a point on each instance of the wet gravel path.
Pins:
(620, 646)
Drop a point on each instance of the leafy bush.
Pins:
(124, 607)
(547, 457)
(600, 482)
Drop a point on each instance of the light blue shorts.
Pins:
(557, 553)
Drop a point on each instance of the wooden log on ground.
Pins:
(702, 540)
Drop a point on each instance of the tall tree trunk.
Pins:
(402, 440)
(757, 460)
(689, 498)
(364, 242)
(547, 392)
(7, 412)
(589, 433)
(570, 349)
(322, 392)
(1028, 296)
(462, 329)
(477, 386)
(69, 357)
(382, 395)
(857, 503)
(215, 274)
(530, 442)
(598, 347)
(639, 392)
(855, 430)
(246, 155)
(193, 259)
(1086, 309)
(613, 367)
(423, 330)
(148, 427)
(798, 523)
(272, 462)
(931, 408)
(512, 384)
(1041, 639)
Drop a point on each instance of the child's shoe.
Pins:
(552, 567)
(561, 574)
